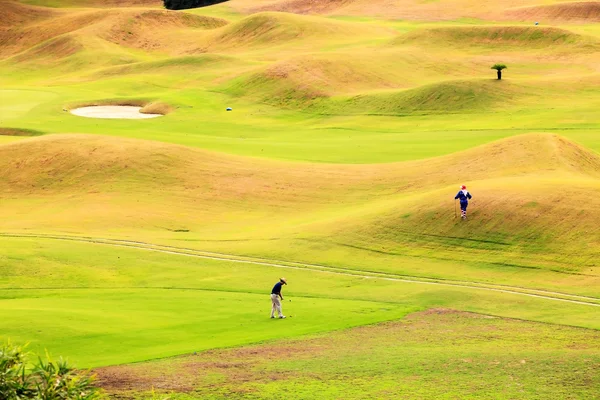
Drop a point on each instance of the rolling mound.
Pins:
(18, 14)
(534, 200)
(82, 159)
(576, 11)
(107, 3)
(187, 64)
(51, 50)
(304, 6)
(492, 36)
(273, 28)
(79, 164)
(534, 206)
(298, 81)
(17, 39)
(132, 28)
(69, 163)
(302, 81)
(514, 156)
(146, 30)
(116, 3)
(446, 97)
(64, 155)
(415, 10)
(66, 53)
(524, 222)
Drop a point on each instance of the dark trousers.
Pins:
(463, 209)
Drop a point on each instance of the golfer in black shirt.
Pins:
(276, 298)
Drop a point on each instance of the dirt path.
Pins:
(537, 293)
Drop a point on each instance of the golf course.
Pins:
(161, 170)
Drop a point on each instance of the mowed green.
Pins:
(349, 136)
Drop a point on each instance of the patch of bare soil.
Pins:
(251, 363)
(124, 378)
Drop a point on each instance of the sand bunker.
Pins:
(113, 112)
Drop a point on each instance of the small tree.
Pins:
(499, 68)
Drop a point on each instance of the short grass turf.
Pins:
(101, 306)
(440, 354)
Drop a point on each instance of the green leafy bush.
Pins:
(47, 380)
(184, 4)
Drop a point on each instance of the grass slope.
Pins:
(496, 36)
(407, 10)
(91, 184)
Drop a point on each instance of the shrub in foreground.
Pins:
(185, 4)
(47, 380)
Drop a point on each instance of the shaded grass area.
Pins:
(19, 132)
(438, 354)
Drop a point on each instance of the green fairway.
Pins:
(123, 305)
(107, 327)
(352, 125)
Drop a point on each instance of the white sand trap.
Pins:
(113, 112)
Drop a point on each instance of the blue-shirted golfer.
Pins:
(276, 298)
(464, 196)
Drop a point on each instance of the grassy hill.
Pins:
(353, 124)
(521, 215)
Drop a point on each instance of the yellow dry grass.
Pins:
(94, 184)
(19, 38)
(584, 11)
(302, 6)
(85, 171)
(142, 29)
(117, 3)
(273, 28)
(492, 36)
(442, 10)
(157, 107)
(60, 155)
(17, 14)
(173, 32)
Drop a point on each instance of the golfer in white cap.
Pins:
(276, 298)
